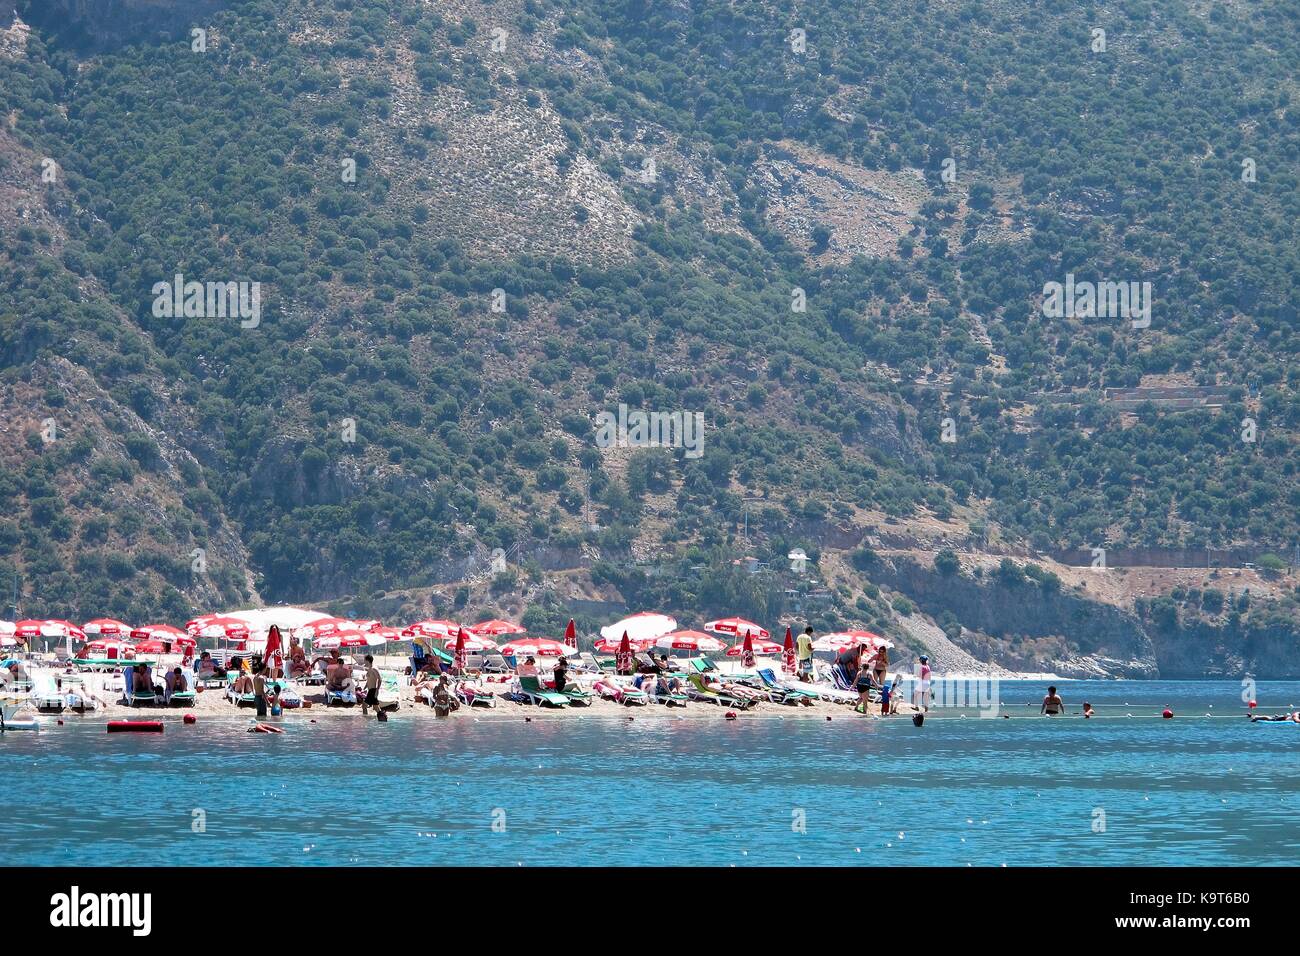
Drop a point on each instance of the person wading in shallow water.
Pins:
(1052, 703)
(259, 689)
(372, 686)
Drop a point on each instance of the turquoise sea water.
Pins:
(1025, 790)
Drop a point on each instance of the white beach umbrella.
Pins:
(645, 626)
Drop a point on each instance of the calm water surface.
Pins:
(1026, 790)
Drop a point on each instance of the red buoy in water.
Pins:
(1252, 705)
(730, 715)
(1167, 713)
(190, 719)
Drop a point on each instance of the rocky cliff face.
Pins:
(1026, 628)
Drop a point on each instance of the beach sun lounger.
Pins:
(495, 664)
(699, 691)
(577, 696)
(627, 696)
(780, 693)
(473, 695)
(182, 698)
(536, 694)
(143, 698)
(340, 698)
(668, 700)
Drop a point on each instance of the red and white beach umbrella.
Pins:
(321, 627)
(752, 645)
(535, 647)
(473, 643)
(445, 629)
(350, 639)
(496, 628)
(644, 626)
(26, 630)
(787, 652)
(571, 635)
(218, 626)
(843, 640)
(696, 641)
(163, 632)
(106, 627)
(109, 648)
(737, 626)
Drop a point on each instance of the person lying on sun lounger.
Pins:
(718, 685)
(176, 683)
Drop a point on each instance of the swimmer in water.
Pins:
(1087, 709)
(1052, 703)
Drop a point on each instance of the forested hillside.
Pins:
(826, 226)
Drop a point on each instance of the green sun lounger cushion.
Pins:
(533, 688)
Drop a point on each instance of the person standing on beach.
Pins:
(863, 686)
(921, 692)
(372, 686)
(259, 689)
(803, 648)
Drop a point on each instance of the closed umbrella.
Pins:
(458, 656)
(750, 646)
(787, 653)
(623, 661)
(571, 635)
(274, 654)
